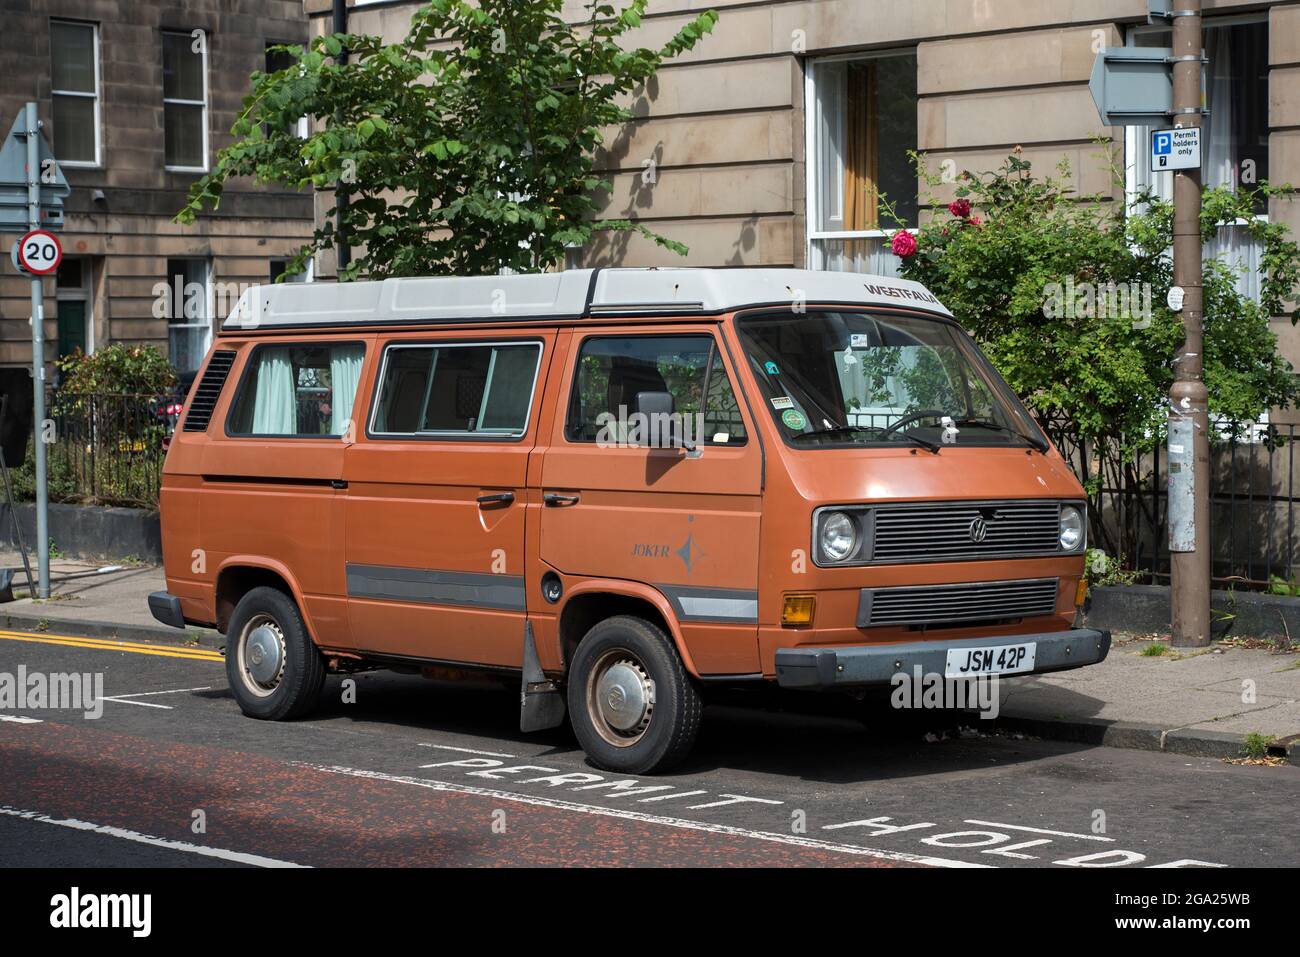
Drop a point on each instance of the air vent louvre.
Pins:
(208, 390)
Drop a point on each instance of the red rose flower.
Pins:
(903, 244)
(960, 208)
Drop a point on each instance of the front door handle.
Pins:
(555, 500)
(500, 498)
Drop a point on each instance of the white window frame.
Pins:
(1136, 147)
(812, 158)
(203, 54)
(96, 96)
(209, 300)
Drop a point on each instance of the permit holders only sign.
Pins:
(1176, 149)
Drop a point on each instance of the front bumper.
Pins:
(166, 608)
(856, 666)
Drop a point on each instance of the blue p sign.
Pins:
(1162, 144)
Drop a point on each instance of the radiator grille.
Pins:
(939, 531)
(208, 391)
(951, 604)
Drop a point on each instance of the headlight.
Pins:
(839, 536)
(1072, 533)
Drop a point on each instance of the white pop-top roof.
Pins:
(572, 294)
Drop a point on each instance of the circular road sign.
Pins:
(39, 252)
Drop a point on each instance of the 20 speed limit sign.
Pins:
(39, 252)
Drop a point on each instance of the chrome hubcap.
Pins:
(621, 697)
(261, 655)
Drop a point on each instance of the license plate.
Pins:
(998, 660)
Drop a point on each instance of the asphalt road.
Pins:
(420, 773)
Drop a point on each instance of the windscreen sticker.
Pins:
(771, 368)
(859, 340)
(793, 419)
(782, 402)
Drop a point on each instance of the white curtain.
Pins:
(274, 404)
(345, 375)
(1220, 161)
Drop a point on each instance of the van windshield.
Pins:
(835, 379)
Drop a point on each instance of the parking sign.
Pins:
(1176, 149)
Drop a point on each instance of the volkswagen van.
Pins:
(616, 489)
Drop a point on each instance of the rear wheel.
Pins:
(633, 706)
(274, 668)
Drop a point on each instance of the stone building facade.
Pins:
(136, 98)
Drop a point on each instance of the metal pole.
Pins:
(1189, 400)
(38, 357)
(342, 249)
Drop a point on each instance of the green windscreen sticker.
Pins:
(793, 419)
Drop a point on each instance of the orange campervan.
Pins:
(620, 488)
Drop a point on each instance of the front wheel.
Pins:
(274, 668)
(632, 704)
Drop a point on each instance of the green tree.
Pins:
(1026, 266)
(467, 147)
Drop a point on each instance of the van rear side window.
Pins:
(298, 390)
(471, 390)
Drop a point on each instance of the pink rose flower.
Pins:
(960, 208)
(903, 244)
(976, 221)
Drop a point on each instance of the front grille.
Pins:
(939, 531)
(951, 604)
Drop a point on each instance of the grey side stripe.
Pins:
(426, 586)
(734, 606)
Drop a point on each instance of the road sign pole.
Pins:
(38, 358)
(1189, 440)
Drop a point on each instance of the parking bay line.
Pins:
(239, 857)
(640, 816)
(1043, 830)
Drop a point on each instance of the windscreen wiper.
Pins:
(1039, 444)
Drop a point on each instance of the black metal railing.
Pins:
(1253, 484)
(104, 448)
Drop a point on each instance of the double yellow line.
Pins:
(108, 644)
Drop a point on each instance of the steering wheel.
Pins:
(913, 417)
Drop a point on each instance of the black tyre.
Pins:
(274, 668)
(633, 707)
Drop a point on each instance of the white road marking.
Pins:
(148, 694)
(19, 719)
(237, 856)
(1043, 830)
(630, 815)
(142, 704)
(448, 747)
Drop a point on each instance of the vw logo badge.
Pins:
(978, 530)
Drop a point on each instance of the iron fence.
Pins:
(105, 448)
(1253, 484)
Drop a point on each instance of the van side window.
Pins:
(612, 370)
(298, 390)
(483, 390)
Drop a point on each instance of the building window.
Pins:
(277, 60)
(188, 312)
(185, 100)
(74, 87)
(1235, 148)
(861, 126)
(280, 267)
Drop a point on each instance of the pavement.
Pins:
(1203, 702)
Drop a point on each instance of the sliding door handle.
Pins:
(559, 501)
(500, 498)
